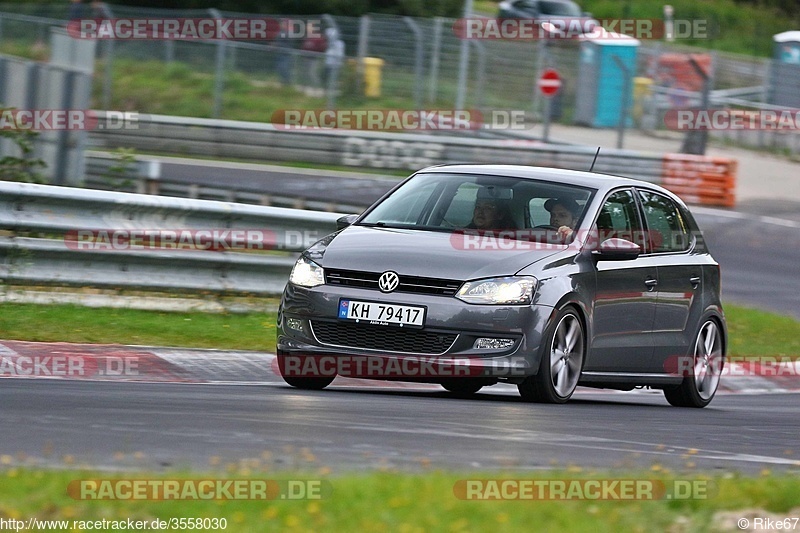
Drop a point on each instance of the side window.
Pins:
(618, 219)
(667, 230)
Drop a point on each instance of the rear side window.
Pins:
(618, 218)
(667, 230)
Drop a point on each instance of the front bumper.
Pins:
(446, 316)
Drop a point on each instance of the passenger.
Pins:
(491, 214)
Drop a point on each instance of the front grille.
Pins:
(415, 284)
(387, 339)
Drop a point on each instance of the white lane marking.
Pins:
(720, 213)
(566, 440)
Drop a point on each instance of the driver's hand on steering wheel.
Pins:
(564, 232)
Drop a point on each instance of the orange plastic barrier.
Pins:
(699, 179)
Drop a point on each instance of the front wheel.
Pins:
(304, 383)
(702, 377)
(561, 364)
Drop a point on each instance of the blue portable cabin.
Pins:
(599, 96)
(784, 76)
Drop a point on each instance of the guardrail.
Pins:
(381, 150)
(39, 243)
(104, 171)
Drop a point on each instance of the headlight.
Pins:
(307, 273)
(511, 290)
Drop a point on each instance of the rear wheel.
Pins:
(702, 379)
(305, 383)
(561, 364)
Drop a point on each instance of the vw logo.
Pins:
(388, 281)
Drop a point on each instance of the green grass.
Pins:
(71, 323)
(752, 333)
(383, 501)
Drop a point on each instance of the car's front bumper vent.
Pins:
(414, 284)
(382, 338)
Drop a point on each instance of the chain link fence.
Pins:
(420, 69)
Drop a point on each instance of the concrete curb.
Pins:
(108, 362)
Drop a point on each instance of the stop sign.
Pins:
(550, 82)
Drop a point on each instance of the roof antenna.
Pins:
(595, 158)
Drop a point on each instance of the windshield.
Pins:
(454, 202)
(563, 9)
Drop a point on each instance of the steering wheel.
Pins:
(546, 226)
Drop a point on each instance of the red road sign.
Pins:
(550, 82)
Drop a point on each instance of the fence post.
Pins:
(62, 146)
(363, 44)
(463, 62)
(695, 140)
(435, 51)
(540, 64)
(3, 79)
(219, 71)
(418, 61)
(623, 112)
(481, 71)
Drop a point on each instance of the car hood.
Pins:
(426, 253)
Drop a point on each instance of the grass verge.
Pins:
(384, 501)
(752, 333)
(72, 323)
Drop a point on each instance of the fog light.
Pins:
(295, 324)
(485, 343)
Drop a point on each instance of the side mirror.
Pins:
(343, 222)
(617, 250)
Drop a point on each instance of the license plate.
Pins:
(382, 314)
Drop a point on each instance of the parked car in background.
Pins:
(564, 14)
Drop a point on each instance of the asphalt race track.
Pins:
(158, 426)
(171, 425)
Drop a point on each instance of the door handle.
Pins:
(695, 281)
(651, 284)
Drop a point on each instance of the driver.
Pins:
(563, 215)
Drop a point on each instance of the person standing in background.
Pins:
(334, 58)
(314, 45)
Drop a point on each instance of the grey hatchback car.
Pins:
(472, 275)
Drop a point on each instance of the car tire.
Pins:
(462, 387)
(303, 383)
(702, 378)
(562, 362)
